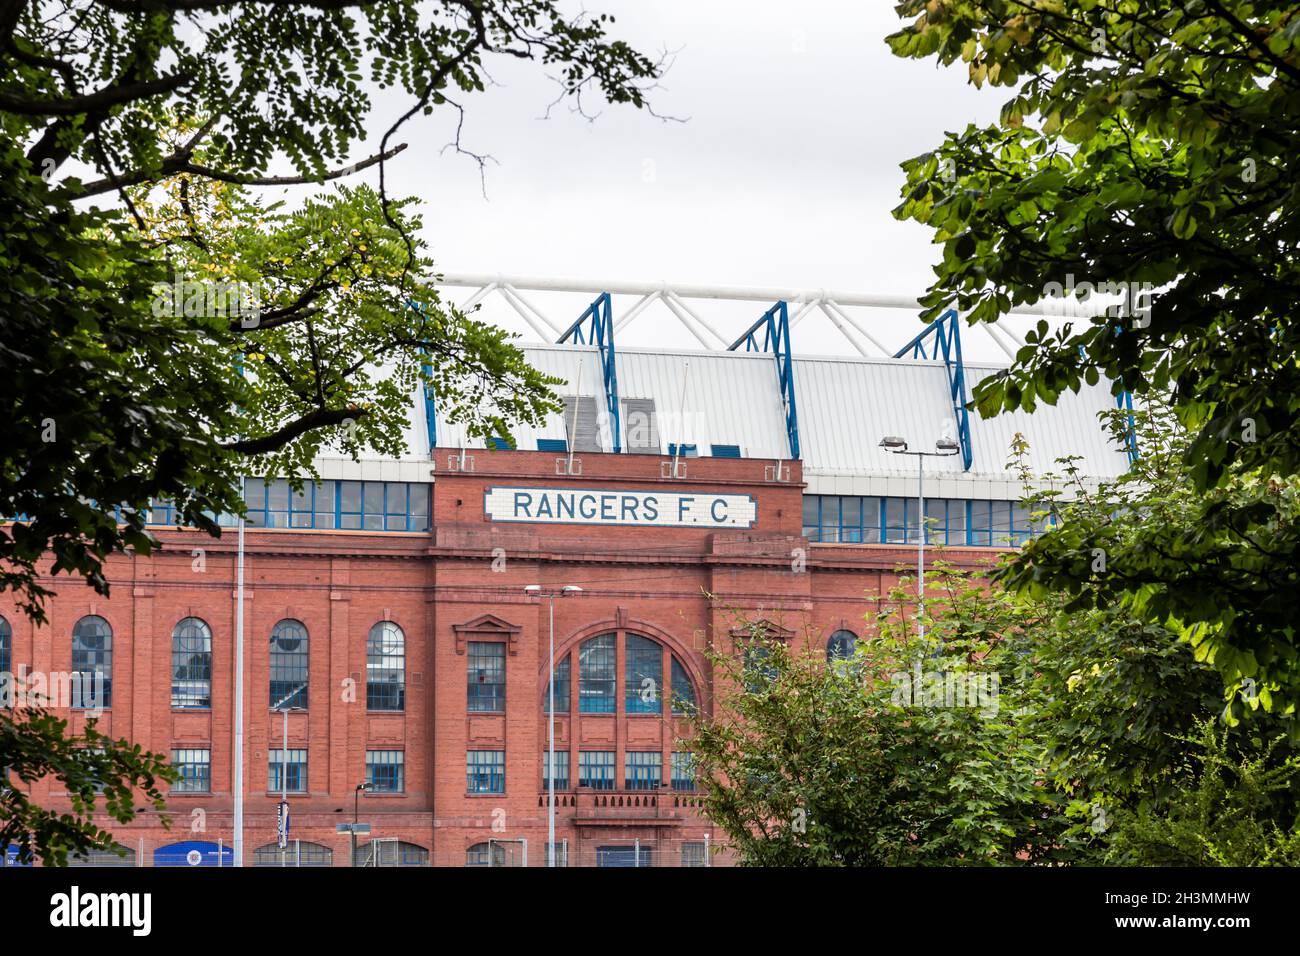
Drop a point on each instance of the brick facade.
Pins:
(463, 582)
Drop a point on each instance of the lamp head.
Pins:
(893, 443)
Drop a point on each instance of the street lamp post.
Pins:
(550, 714)
(944, 447)
(356, 797)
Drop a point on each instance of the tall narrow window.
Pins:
(288, 665)
(683, 691)
(487, 676)
(6, 651)
(683, 770)
(294, 764)
(562, 678)
(191, 665)
(561, 769)
(644, 678)
(92, 663)
(386, 668)
(597, 675)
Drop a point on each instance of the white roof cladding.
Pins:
(845, 406)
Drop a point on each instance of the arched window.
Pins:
(390, 853)
(598, 675)
(288, 665)
(6, 650)
(92, 663)
(643, 681)
(297, 853)
(684, 703)
(386, 668)
(841, 646)
(191, 664)
(486, 854)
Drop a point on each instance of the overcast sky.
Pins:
(783, 174)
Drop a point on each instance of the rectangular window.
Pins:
(486, 771)
(980, 512)
(898, 528)
(694, 853)
(419, 498)
(812, 517)
(386, 771)
(277, 504)
(596, 769)
(871, 515)
(552, 444)
(323, 505)
(936, 521)
(1020, 524)
(195, 768)
(1001, 516)
(295, 770)
(683, 770)
(395, 508)
(643, 769)
(851, 520)
(372, 503)
(957, 522)
(725, 451)
(562, 686)
(487, 677)
(300, 507)
(561, 769)
(830, 518)
(597, 673)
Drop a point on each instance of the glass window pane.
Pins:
(395, 498)
(644, 677)
(350, 495)
(374, 498)
(597, 675)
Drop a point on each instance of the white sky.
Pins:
(783, 175)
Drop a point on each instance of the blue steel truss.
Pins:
(430, 409)
(775, 326)
(601, 334)
(1124, 402)
(944, 335)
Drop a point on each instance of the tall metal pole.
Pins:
(920, 550)
(284, 773)
(550, 770)
(239, 701)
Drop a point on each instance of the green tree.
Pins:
(908, 753)
(113, 400)
(91, 768)
(1143, 144)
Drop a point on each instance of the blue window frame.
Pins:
(562, 685)
(561, 769)
(92, 663)
(684, 703)
(485, 771)
(499, 443)
(191, 665)
(386, 771)
(596, 769)
(955, 522)
(688, 451)
(289, 665)
(683, 770)
(597, 675)
(195, 768)
(324, 506)
(725, 451)
(386, 668)
(643, 769)
(6, 648)
(295, 770)
(644, 678)
(552, 444)
(486, 691)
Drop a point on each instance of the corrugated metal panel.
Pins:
(731, 398)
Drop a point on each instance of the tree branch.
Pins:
(106, 98)
(319, 418)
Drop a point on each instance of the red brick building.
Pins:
(386, 609)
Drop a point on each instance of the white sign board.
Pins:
(594, 506)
